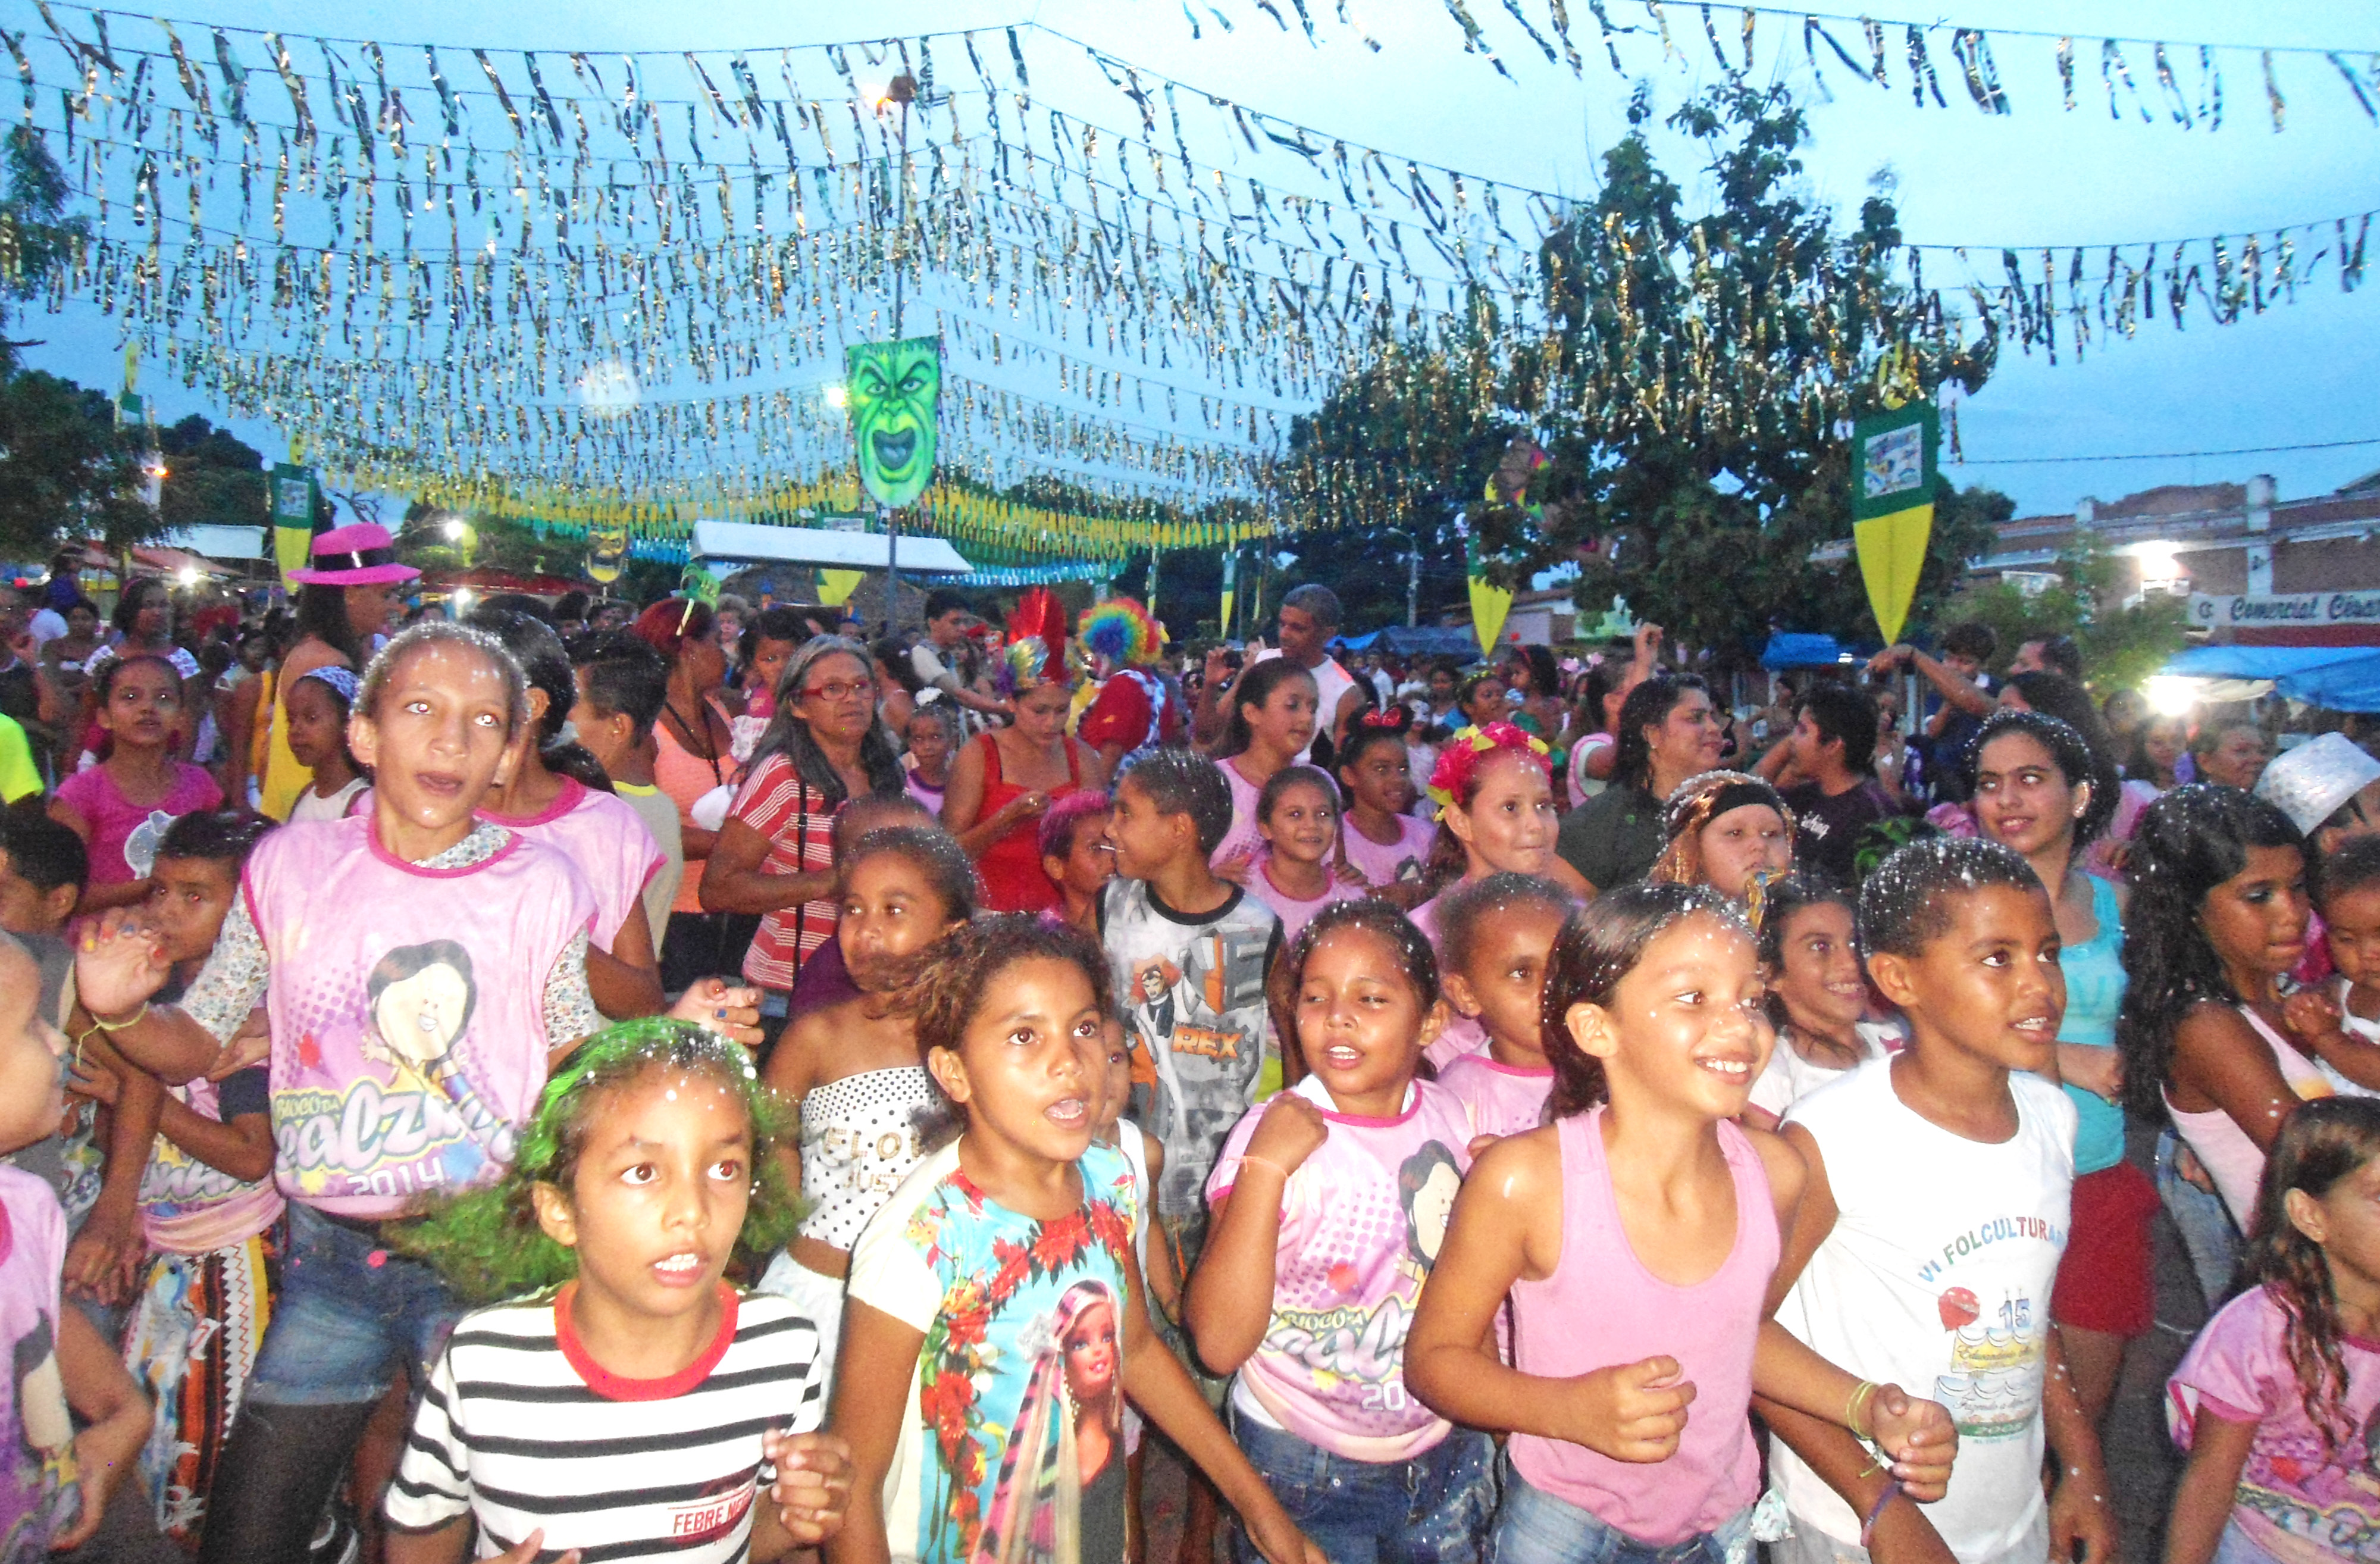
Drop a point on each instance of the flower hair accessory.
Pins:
(1460, 760)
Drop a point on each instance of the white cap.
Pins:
(2312, 782)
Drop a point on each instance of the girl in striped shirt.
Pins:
(633, 1404)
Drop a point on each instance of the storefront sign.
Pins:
(2246, 610)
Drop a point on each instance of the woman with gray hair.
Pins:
(775, 851)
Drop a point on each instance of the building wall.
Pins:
(2332, 565)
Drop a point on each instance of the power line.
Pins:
(2164, 456)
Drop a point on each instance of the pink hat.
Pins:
(360, 555)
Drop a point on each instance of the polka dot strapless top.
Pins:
(860, 1137)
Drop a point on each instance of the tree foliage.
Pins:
(2122, 644)
(1694, 390)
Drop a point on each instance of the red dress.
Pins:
(1011, 867)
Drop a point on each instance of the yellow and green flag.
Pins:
(1893, 457)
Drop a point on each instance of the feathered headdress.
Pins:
(1121, 631)
(1036, 644)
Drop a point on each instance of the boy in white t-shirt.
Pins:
(1930, 1231)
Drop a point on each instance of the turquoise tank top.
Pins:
(2094, 992)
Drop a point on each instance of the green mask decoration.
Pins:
(895, 389)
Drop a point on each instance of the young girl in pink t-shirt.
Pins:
(1330, 1205)
(122, 805)
(1380, 837)
(1635, 1235)
(1494, 937)
(1298, 814)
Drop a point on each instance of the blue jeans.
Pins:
(1534, 1527)
(2208, 1230)
(349, 1313)
(1431, 1510)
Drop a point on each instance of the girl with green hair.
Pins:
(627, 1396)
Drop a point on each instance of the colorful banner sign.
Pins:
(1893, 461)
(293, 516)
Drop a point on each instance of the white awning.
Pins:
(751, 542)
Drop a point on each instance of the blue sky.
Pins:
(2297, 374)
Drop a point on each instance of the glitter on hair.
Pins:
(441, 632)
(1908, 902)
(1464, 910)
(1600, 943)
(487, 1243)
(1379, 919)
(2186, 843)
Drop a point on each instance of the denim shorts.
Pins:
(1534, 1527)
(351, 1313)
(2208, 1233)
(1431, 1510)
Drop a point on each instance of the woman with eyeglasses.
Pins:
(775, 854)
(1005, 781)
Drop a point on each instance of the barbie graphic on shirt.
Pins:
(1069, 1428)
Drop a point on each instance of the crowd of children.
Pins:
(378, 1189)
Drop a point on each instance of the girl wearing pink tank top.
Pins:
(1636, 1234)
(1330, 1203)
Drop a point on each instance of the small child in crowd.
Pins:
(119, 806)
(1493, 787)
(1331, 1201)
(1297, 815)
(1380, 837)
(1818, 994)
(1146, 1155)
(1189, 952)
(997, 1319)
(1636, 1235)
(210, 1215)
(1272, 723)
(623, 687)
(1930, 1229)
(2275, 1403)
(852, 1068)
(537, 794)
(628, 1400)
(933, 736)
(2341, 1026)
(1077, 856)
(318, 705)
(55, 1482)
(42, 866)
(1496, 936)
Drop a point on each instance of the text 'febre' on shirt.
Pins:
(1601, 1307)
(407, 1009)
(1937, 1278)
(1011, 1446)
(1362, 1219)
(522, 1429)
(1192, 989)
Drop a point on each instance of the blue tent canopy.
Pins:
(2341, 679)
(1794, 649)
(1427, 640)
